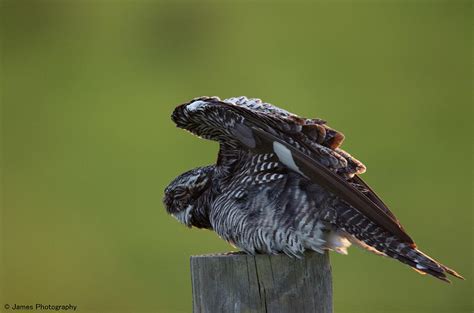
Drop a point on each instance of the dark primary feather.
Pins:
(282, 183)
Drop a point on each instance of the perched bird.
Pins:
(282, 183)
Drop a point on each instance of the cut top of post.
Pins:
(238, 282)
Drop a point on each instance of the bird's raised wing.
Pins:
(307, 147)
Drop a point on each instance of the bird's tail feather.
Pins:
(423, 263)
(377, 238)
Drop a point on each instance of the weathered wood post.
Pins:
(237, 282)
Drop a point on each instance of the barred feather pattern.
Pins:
(374, 236)
(262, 203)
(274, 210)
(264, 210)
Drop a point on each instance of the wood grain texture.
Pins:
(237, 282)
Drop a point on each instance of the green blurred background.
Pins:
(88, 145)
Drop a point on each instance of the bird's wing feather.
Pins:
(263, 128)
(369, 193)
(299, 159)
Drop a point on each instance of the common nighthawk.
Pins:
(282, 183)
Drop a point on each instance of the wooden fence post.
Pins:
(237, 282)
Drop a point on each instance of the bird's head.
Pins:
(182, 197)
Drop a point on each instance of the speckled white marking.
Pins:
(193, 106)
(184, 216)
(285, 156)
